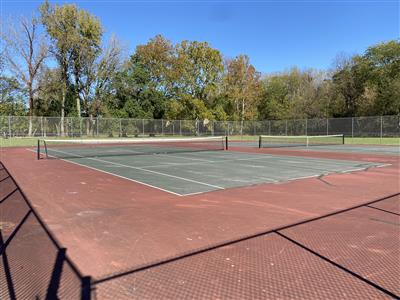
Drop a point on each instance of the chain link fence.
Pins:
(21, 126)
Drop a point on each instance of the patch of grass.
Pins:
(18, 142)
(372, 141)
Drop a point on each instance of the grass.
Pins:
(32, 142)
(372, 141)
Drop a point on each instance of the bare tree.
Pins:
(25, 52)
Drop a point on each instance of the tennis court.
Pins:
(196, 218)
(192, 166)
(334, 145)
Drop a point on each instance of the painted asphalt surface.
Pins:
(370, 149)
(198, 172)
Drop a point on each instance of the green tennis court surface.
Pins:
(197, 172)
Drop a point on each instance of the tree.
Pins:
(11, 97)
(50, 83)
(243, 87)
(25, 52)
(368, 83)
(139, 86)
(76, 37)
(346, 84)
(381, 65)
(198, 70)
(156, 59)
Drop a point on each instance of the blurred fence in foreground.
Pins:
(16, 126)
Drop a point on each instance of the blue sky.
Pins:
(275, 34)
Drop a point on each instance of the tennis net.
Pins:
(273, 141)
(76, 148)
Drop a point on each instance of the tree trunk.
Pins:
(242, 120)
(62, 113)
(30, 110)
(88, 124)
(78, 107)
(30, 126)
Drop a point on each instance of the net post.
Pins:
(259, 141)
(226, 142)
(45, 148)
(343, 139)
(38, 149)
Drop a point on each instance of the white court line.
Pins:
(305, 177)
(161, 154)
(184, 157)
(120, 176)
(138, 168)
(384, 165)
(201, 163)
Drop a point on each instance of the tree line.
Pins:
(57, 63)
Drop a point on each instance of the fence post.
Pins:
(327, 126)
(381, 128)
(352, 127)
(180, 127)
(286, 133)
(306, 127)
(41, 125)
(120, 127)
(269, 127)
(97, 126)
(9, 126)
(142, 126)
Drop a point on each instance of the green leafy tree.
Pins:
(198, 70)
(76, 37)
(243, 88)
(50, 83)
(11, 97)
